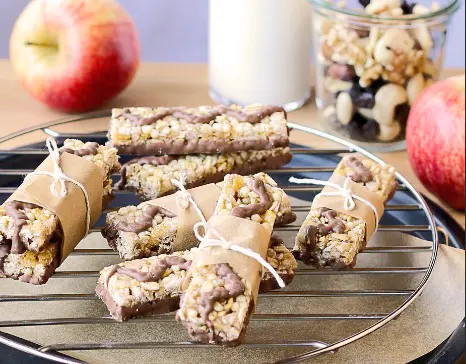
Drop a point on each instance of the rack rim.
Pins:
(50, 352)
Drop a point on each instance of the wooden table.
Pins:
(171, 84)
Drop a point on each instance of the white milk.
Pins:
(259, 51)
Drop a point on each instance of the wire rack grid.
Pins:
(55, 352)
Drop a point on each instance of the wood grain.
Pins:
(171, 84)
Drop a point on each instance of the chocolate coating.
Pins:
(194, 146)
(89, 149)
(122, 313)
(155, 273)
(145, 222)
(361, 174)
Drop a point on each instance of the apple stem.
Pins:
(41, 45)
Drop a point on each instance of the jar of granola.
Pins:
(373, 62)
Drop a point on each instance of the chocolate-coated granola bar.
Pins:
(375, 177)
(331, 238)
(154, 285)
(218, 302)
(205, 129)
(150, 177)
(145, 230)
(30, 236)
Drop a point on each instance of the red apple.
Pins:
(74, 55)
(436, 139)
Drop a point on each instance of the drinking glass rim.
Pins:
(451, 7)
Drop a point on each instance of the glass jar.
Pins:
(260, 52)
(372, 63)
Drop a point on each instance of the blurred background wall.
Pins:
(176, 30)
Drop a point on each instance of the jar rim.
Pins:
(451, 7)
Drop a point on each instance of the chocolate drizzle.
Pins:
(180, 113)
(13, 209)
(260, 208)
(233, 287)
(155, 272)
(361, 172)
(162, 160)
(145, 222)
(90, 148)
(313, 232)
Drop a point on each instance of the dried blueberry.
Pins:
(402, 113)
(363, 129)
(364, 2)
(362, 98)
(407, 7)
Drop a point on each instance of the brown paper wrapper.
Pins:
(206, 198)
(71, 209)
(242, 232)
(361, 210)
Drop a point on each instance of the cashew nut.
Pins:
(389, 132)
(394, 43)
(414, 87)
(386, 100)
(345, 108)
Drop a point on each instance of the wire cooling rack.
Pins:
(408, 213)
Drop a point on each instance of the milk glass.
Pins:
(259, 52)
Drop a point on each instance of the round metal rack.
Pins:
(306, 162)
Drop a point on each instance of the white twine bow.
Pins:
(344, 191)
(184, 198)
(58, 186)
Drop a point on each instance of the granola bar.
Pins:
(219, 302)
(283, 261)
(331, 238)
(145, 230)
(154, 285)
(31, 236)
(205, 129)
(144, 286)
(150, 177)
(377, 178)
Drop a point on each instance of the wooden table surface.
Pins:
(171, 84)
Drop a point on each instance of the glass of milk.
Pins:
(259, 52)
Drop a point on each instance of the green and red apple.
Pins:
(74, 55)
(435, 138)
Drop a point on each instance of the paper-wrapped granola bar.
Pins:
(150, 177)
(205, 129)
(37, 229)
(144, 230)
(375, 177)
(154, 285)
(333, 235)
(222, 284)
